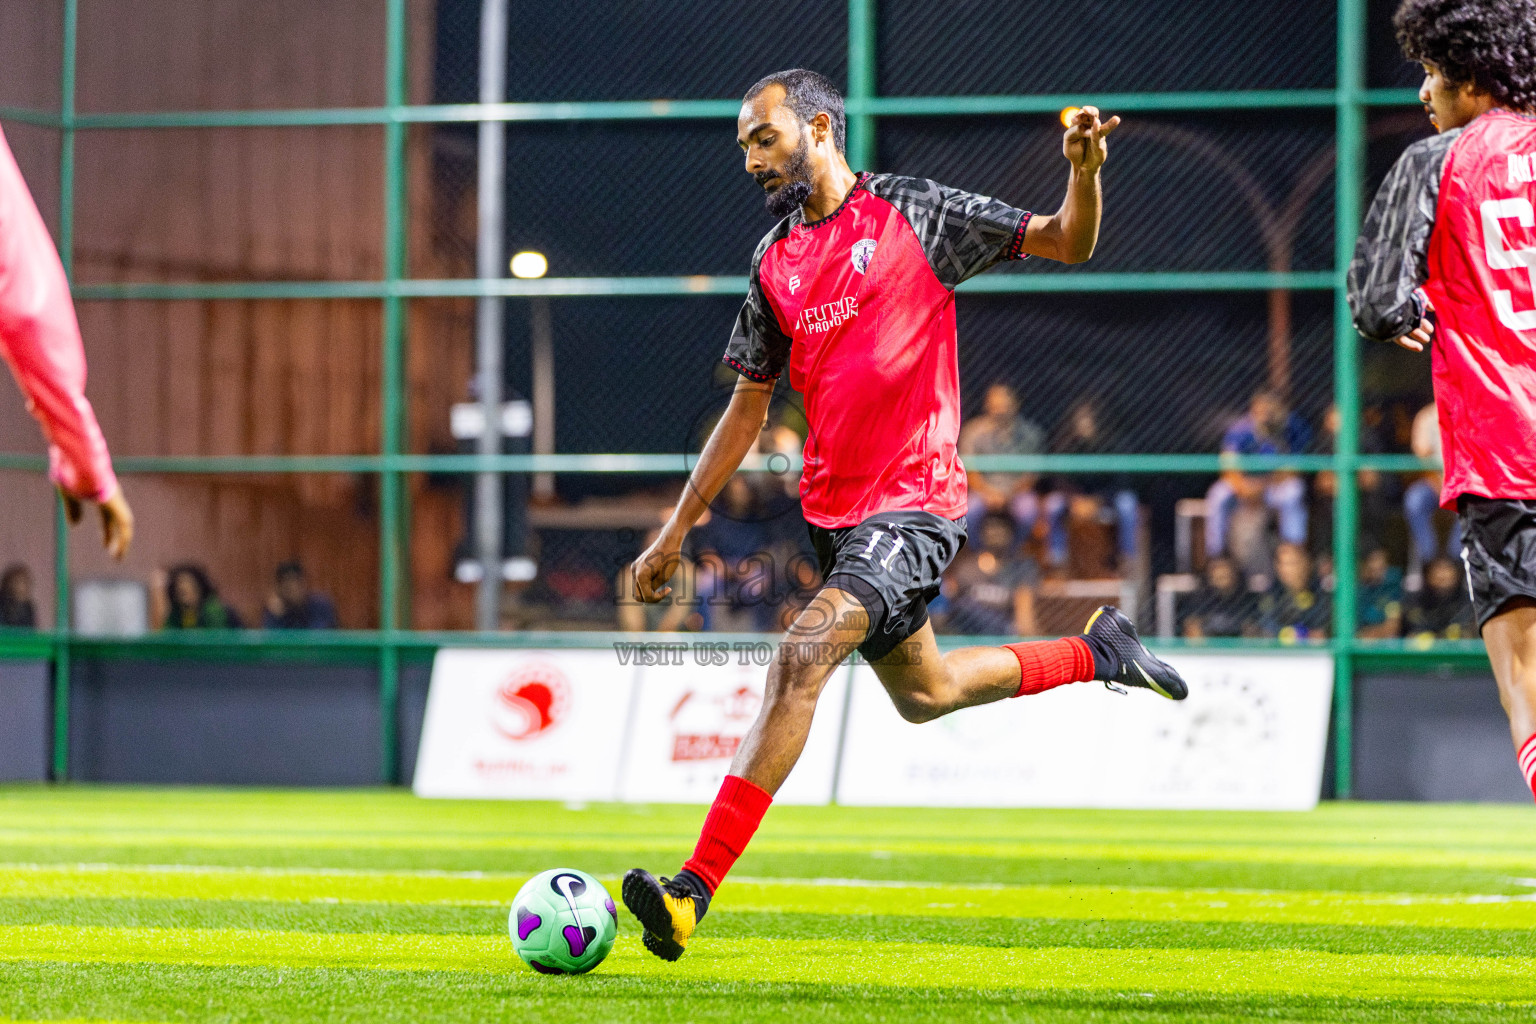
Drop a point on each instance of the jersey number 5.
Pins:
(1500, 257)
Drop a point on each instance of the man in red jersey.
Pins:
(853, 292)
(40, 341)
(1448, 255)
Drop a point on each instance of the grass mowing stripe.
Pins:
(898, 965)
(847, 897)
(1513, 861)
(274, 996)
(732, 924)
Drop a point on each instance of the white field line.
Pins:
(516, 878)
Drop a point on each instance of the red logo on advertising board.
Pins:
(531, 701)
(711, 728)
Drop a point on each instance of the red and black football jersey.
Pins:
(861, 308)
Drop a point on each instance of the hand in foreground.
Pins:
(655, 567)
(1084, 143)
(116, 521)
(1416, 339)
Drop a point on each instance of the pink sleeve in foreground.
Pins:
(40, 341)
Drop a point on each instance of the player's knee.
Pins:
(920, 707)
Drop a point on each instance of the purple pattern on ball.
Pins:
(575, 939)
(544, 968)
(527, 921)
(611, 908)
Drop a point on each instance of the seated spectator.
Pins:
(294, 606)
(1378, 494)
(735, 568)
(1000, 430)
(185, 598)
(1380, 597)
(1295, 608)
(1270, 428)
(1442, 610)
(1222, 606)
(1089, 496)
(990, 592)
(16, 608)
(1421, 499)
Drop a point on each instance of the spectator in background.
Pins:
(1294, 608)
(990, 592)
(1269, 428)
(735, 568)
(1421, 500)
(185, 598)
(1000, 430)
(16, 607)
(1091, 496)
(1441, 610)
(292, 605)
(1378, 494)
(1380, 597)
(1222, 606)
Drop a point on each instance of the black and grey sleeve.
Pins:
(962, 233)
(1392, 255)
(759, 348)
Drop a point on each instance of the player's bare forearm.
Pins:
(728, 444)
(1069, 234)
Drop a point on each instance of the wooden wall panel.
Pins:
(222, 378)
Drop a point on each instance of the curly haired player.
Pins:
(40, 341)
(1448, 255)
(853, 292)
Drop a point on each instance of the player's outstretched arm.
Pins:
(1070, 234)
(728, 444)
(40, 341)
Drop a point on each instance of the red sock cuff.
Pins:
(728, 827)
(1047, 664)
(1527, 759)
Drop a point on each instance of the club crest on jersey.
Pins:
(863, 251)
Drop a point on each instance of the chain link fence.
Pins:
(242, 178)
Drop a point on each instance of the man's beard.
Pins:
(796, 187)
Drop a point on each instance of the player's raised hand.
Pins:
(116, 521)
(1084, 144)
(655, 567)
(1416, 339)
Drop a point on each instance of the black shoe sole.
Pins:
(642, 895)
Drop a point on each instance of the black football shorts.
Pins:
(893, 563)
(1498, 538)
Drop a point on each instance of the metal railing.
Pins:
(1349, 100)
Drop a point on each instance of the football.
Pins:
(563, 922)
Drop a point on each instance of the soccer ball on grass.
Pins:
(563, 922)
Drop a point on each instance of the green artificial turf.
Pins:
(201, 905)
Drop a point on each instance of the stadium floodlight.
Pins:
(529, 264)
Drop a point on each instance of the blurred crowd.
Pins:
(184, 596)
(1262, 565)
(1254, 552)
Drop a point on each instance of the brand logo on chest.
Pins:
(817, 319)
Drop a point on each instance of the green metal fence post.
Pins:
(61, 625)
(1348, 182)
(861, 83)
(391, 543)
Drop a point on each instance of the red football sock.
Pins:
(1527, 759)
(733, 818)
(1047, 664)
